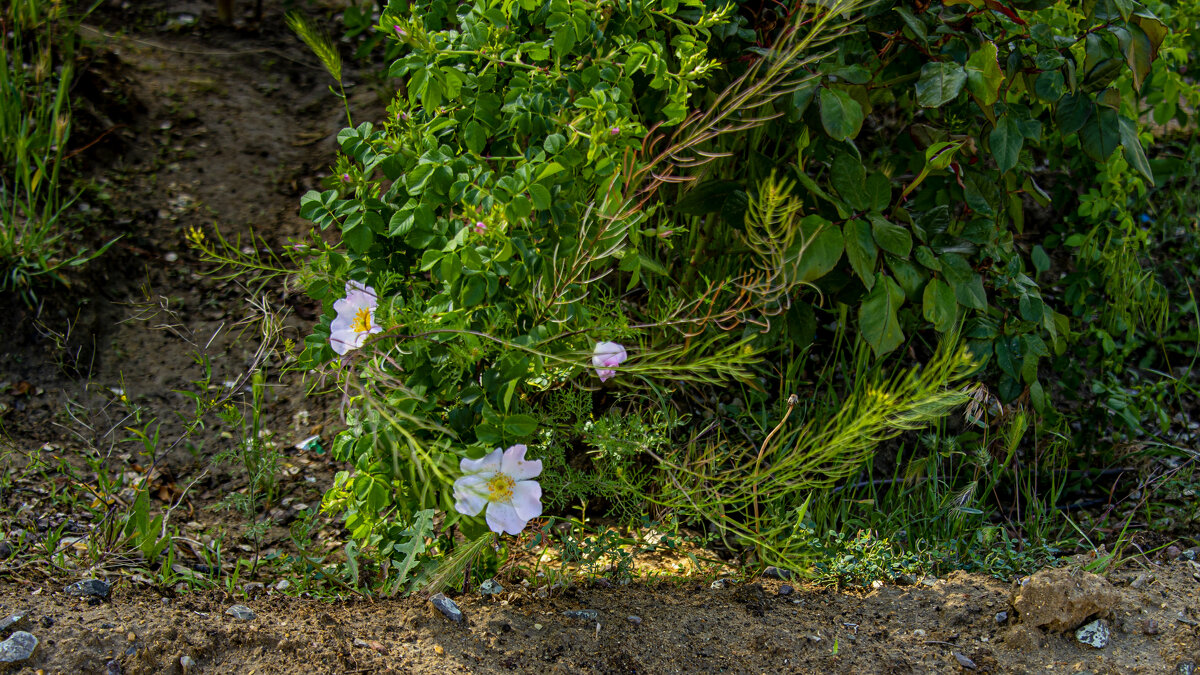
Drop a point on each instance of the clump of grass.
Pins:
(36, 71)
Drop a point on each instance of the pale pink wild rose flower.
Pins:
(608, 355)
(355, 318)
(480, 227)
(502, 481)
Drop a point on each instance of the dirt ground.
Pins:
(190, 124)
(943, 626)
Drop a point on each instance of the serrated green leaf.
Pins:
(1134, 153)
(1101, 134)
(879, 192)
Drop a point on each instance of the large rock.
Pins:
(1062, 599)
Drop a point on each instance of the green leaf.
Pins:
(519, 425)
(541, 197)
(1101, 134)
(983, 74)
(473, 291)
(1134, 153)
(877, 319)
(1139, 53)
(1030, 307)
(860, 250)
(940, 83)
(841, 115)
(1049, 86)
(910, 277)
(891, 237)
(1006, 141)
(819, 248)
(1041, 261)
(879, 192)
(849, 178)
(1073, 112)
(554, 143)
(475, 136)
(939, 305)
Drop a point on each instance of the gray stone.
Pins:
(1001, 617)
(1094, 634)
(786, 590)
(89, 587)
(447, 607)
(13, 621)
(490, 587)
(1062, 599)
(773, 572)
(112, 668)
(187, 663)
(254, 588)
(964, 661)
(1150, 627)
(18, 647)
(283, 585)
(634, 619)
(588, 614)
(241, 612)
(721, 583)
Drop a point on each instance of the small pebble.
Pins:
(186, 663)
(786, 590)
(1173, 552)
(1001, 617)
(964, 661)
(447, 607)
(1150, 627)
(719, 584)
(634, 619)
(12, 621)
(1139, 581)
(89, 587)
(920, 632)
(240, 612)
(773, 572)
(537, 626)
(439, 650)
(112, 668)
(1094, 634)
(490, 587)
(586, 614)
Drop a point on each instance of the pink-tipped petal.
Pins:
(470, 494)
(515, 466)
(605, 375)
(503, 518)
(488, 464)
(527, 499)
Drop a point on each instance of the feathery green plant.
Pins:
(324, 49)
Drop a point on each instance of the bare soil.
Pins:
(189, 124)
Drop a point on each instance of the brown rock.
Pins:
(1062, 599)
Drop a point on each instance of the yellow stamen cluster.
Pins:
(500, 488)
(362, 320)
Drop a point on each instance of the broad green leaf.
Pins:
(819, 248)
(541, 197)
(910, 277)
(1030, 307)
(1101, 134)
(474, 289)
(1134, 154)
(1006, 141)
(940, 83)
(1049, 86)
(877, 319)
(983, 74)
(891, 237)
(939, 305)
(1139, 53)
(1008, 356)
(475, 136)
(519, 425)
(849, 178)
(841, 115)
(1041, 261)
(860, 250)
(1073, 112)
(879, 192)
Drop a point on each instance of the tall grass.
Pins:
(37, 56)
